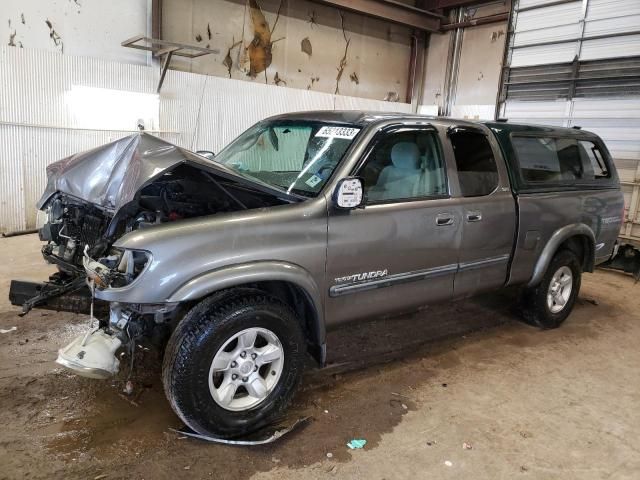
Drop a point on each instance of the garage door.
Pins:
(577, 63)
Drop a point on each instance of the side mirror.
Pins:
(206, 154)
(349, 193)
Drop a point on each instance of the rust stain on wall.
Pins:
(496, 35)
(278, 81)
(12, 39)
(313, 80)
(228, 61)
(55, 37)
(259, 50)
(305, 46)
(343, 62)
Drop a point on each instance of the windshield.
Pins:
(295, 156)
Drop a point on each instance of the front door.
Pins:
(401, 250)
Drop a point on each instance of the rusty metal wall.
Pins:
(308, 45)
(195, 111)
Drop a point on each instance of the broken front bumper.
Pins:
(74, 297)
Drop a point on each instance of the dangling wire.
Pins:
(92, 287)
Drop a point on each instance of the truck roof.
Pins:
(364, 118)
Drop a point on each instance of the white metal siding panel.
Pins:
(553, 16)
(533, 3)
(621, 46)
(549, 113)
(551, 34)
(610, 26)
(544, 54)
(600, 9)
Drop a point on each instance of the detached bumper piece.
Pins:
(74, 297)
(91, 355)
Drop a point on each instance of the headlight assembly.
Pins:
(118, 269)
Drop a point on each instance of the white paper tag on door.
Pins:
(338, 132)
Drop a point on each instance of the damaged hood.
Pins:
(110, 175)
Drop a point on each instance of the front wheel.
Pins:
(233, 362)
(549, 304)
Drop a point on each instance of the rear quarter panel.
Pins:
(542, 214)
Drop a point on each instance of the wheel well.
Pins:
(303, 307)
(583, 248)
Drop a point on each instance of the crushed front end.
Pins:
(95, 198)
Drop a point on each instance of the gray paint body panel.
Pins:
(311, 244)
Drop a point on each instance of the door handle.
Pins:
(474, 216)
(443, 219)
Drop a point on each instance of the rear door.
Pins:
(488, 211)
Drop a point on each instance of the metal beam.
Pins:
(472, 22)
(156, 18)
(391, 11)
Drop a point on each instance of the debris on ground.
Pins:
(329, 455)
(357, 443)
(12, 329)
(467, 446)
(128, 387)
(261, 438)
(448, 463)
(592, 301)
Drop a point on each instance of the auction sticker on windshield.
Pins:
(338, 132)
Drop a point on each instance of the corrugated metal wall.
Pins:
(574, 64)
(196, 111)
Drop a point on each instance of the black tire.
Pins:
(535, 308)
(194, 343)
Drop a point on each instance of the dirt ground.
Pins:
(529, 404)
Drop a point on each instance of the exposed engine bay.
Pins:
(77, 232)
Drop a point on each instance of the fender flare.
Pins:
(550, 249)
(242, 274)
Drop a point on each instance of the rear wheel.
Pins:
(233, 362)
(549, 304)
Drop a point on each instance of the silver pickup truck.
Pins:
(302, 223)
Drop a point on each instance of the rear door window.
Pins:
(559, 160)
(477, 171)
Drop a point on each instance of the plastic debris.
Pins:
(448, 463)
(357, 443)
(128, 388)
(12, 329)
(467, 446)
(329, 455)
(326, 411)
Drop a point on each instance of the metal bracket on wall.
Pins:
(165, 50)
